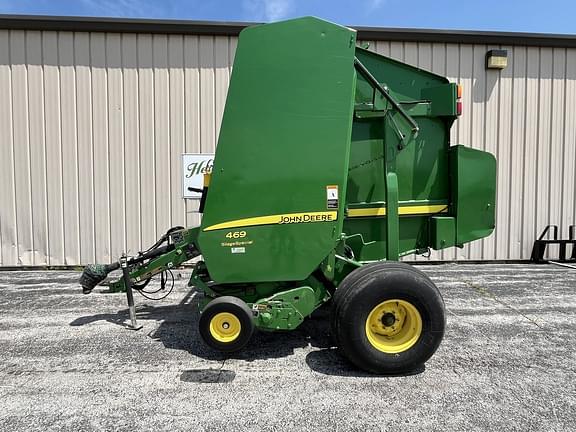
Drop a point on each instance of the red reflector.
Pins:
(458, 107)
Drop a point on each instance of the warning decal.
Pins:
(332, 197)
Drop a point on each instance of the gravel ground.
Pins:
(508, 362)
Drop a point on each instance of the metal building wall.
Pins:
(92, 126)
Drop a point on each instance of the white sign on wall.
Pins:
(194, 166)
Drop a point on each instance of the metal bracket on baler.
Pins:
(414, 128)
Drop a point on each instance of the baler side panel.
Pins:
(422, 165)
(473, 177)
(285, 138)
(404, 82)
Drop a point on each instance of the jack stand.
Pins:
(129, 294)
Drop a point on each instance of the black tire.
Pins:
(362, 291)
(217, 314)
(357, 274)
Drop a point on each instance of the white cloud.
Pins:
(375, 4)
(126, 8)
(267, 10)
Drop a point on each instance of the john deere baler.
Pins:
(332, 163)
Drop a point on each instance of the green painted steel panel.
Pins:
(442, 232)
(421, 166)
(285, 137)
(473, 177)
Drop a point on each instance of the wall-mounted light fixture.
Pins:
(496, 59)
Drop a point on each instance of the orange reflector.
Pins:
(459, 91)
(458, 107)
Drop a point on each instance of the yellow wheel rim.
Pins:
(393, 326)
(225, 327)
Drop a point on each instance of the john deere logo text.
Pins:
(307, 217)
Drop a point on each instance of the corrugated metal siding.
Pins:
(92, 126)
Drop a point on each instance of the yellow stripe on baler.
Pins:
(279, 219)
(403, 210)
(327, 216)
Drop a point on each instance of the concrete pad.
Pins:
(67, 363)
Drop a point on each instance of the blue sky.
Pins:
(552, 16)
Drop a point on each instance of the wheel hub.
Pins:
(393, 326)
(225, 327)
(388, 319)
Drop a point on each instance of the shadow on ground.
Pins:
(178, 329)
